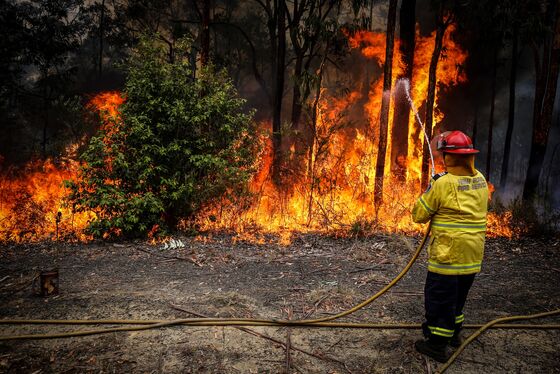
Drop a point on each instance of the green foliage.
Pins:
(181, 142)
(362, 227)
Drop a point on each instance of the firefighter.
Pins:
(456, 202)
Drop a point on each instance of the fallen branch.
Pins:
(289, 316)
(258, 334)
(288, 351)
(3, 279)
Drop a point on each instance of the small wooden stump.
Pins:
(48, 281)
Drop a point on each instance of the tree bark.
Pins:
(545, 95)
(299, 51)
(46, 105)
(491, 119)
(430, 100)
(399, 137)
(511, 109)
(278, 90)
(297, 105)
(205, 36)
(312, 147)
(101, 34)
(475, 123)
(385, 104)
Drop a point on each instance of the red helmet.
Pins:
(455, 142)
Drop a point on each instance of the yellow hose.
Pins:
(228, 321)
(317, 322)
(474, 335)
(247, 322)
(379, 293)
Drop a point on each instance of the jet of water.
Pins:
(405, 84)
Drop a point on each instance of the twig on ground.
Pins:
(407, 293)
(297, 369)
(26, 284)
(289, 344)
(315, 306)
(288, 351)
(347, 368)
(333, 345)
(428, 365)
(170, 258)
(322, 270)
(366, 269)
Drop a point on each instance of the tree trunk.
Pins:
(399, 137)
(205, 36)
(278, 90)
(297, 107)
(475, 123)
(430, 100)
(545, 95)
(491, 119)
(511, 109)
(385, 104)
(312, 147)
(45, 117)
(101, 35)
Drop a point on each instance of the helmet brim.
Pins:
(461, 151)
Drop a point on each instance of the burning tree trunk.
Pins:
(399, 137)
(46, 105)
(442, 24)
(492, 107)
(385, 104)
(278, 89)
(296, 96)
(511, 109)
(545, 94)
(314, 146)
(308, 24)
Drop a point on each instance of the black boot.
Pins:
(434, 347)
(456, 340)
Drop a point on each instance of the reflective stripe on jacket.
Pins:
(457, 206)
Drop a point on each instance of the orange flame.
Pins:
(335, 192)
(32, 206)
(32, 198)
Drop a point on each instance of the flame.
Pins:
(32, 197)
(499, 225)
(333, 194)
(32, 206)
(337, 189)
(107, 104)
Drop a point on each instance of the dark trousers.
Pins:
(444, 297)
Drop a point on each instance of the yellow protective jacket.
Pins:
(457, 206)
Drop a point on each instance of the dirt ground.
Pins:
(313, 276)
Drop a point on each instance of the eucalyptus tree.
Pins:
(544, 37)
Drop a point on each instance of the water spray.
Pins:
(405, 83)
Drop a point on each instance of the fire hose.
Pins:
(318, 322)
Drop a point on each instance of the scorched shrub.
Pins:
(179, 142)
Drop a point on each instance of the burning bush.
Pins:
(177, 143)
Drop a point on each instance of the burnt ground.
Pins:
(314, 276)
